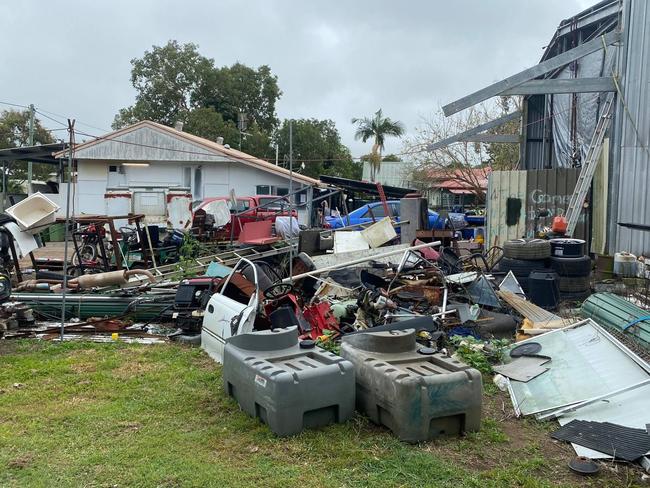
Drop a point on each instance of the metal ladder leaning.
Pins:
(382, 197)
(589, 168)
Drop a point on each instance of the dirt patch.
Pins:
(505, 439)
(21, 462)
(133, 367)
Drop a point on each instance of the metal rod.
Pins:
(66, 230)
(363, 260)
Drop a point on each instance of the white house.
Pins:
(153, 169)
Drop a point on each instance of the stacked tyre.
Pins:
(523, 256)
(568, 260)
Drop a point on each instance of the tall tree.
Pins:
(316, 144)
(377, 128)
(239, 89)
(462, 161)
(14, 132)
(166, 79)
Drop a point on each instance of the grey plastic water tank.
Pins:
(287, 386)
(416, 393)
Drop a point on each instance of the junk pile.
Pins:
(311, 324)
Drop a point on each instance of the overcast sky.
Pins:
(334, 59)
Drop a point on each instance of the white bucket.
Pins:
(625, 265)
(34, 213)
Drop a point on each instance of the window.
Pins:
(394, 208)
(376, 211)
(242, 204)
(263, 190)
(198, 183)
(276, 205)
(281, 191)
(187, 177)
(112, 169)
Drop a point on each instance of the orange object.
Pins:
(559, 225)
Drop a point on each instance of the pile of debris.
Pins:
(311, 324)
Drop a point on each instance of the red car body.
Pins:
(247, 211)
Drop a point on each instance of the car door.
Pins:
(225, 317)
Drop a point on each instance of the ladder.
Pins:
(227, 258)
(589, 167)
(382, 197)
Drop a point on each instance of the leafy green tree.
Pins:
(316, 145)
(239, 89)
(166, 79)
(391, 157)
(176, 83)
(377, 128)
(14, 132)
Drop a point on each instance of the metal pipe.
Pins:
(362, 260)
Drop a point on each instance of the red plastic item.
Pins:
(559, 225)
(321, 318)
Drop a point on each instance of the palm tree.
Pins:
(377, 128)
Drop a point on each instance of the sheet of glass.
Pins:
(585, 363)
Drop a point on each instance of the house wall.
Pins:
(217, 179)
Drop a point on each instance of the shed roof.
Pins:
(211, 147)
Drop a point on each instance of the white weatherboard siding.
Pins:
(217, 179)
(172, 160)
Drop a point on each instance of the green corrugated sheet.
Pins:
(616, 313)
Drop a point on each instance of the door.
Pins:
(225, 317)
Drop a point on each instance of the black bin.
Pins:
(543, 289)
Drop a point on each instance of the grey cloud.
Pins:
(334, 59)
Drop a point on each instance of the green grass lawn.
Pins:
(84, 414)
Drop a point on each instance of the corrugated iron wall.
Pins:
(537, 189)
(501, 186)
(634, 162)
(551, 189)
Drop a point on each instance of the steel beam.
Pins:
(475, 130)
(568, 85)
(531, 73)
(493, 138)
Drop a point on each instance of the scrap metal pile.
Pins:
(315, 323)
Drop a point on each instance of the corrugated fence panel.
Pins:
(551, 189)
(501, 186)
(634, 186)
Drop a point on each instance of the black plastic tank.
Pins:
(543, 289)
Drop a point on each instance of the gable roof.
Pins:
(211, 147)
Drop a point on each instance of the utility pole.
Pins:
(291, 196)
(31, 143)
(67, 225)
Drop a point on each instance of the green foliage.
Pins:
(239, 88)
(176, 83)
(479, 354)
(14, 132)
(377, 128)
(166, 80)
(187, 254)
(317, 143)
(327, 342)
